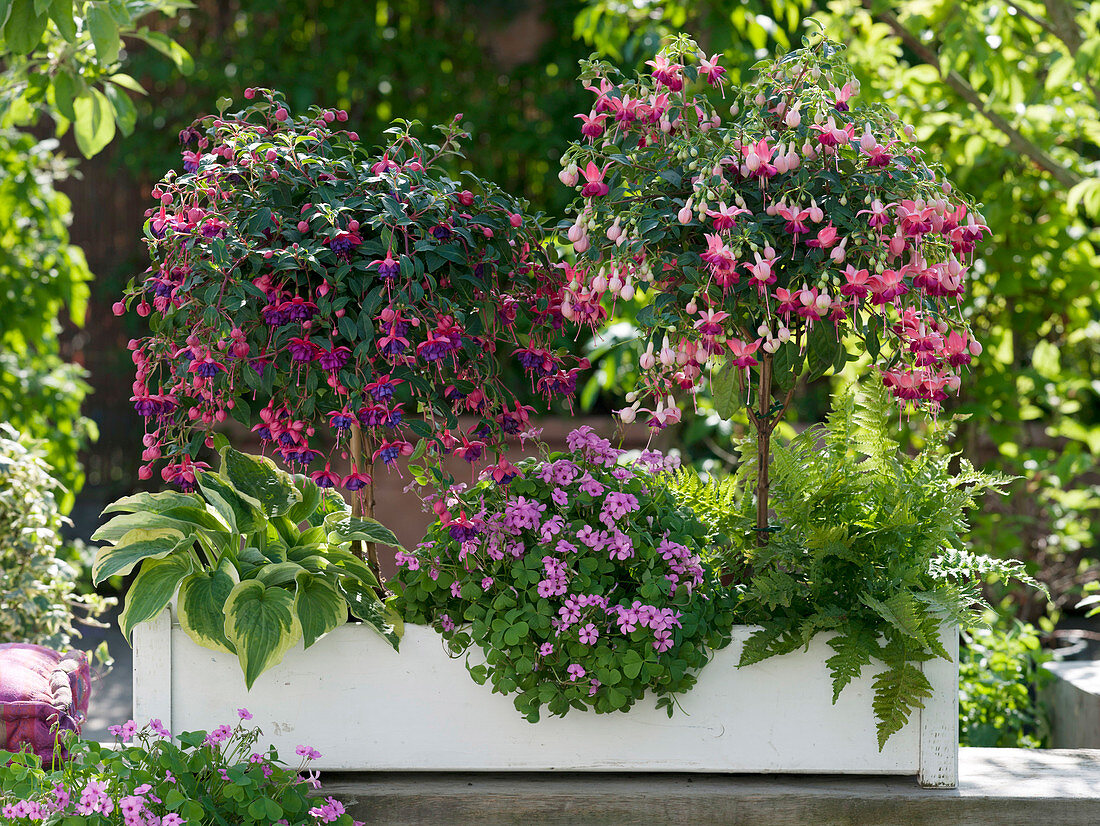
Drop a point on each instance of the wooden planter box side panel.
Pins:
(366, 707)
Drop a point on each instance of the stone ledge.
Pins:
(1006, 787)
(1074, 700)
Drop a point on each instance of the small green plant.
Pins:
(1000, 674)
(867, 545)
(197, 779)
(260, 559)
(39, 602)
(579, 577)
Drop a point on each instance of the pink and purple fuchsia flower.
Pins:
(322, 310)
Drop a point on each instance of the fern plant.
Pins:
(867, 544)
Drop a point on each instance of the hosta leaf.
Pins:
(353, 565)
(259, 478)
(262, 625)
(311, 498)
(154, 502)
(343, 529)
(240, 512)
(279, 573)
(331, 503)
(201, 607)
(365, 605)
(111, 560)
(119, 526)
(153, 588)
(319, 606)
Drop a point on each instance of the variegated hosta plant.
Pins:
(259, 559)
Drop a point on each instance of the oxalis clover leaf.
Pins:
(580, 581)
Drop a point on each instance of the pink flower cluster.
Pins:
(770, 199)
(336, 315)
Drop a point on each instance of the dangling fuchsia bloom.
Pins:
(592, 125)
(725, 217)
(595, 188)
(742, 353)
(666, 72)
(709, 68)
(831, 136)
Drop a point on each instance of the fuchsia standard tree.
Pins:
(306, 288)
(775, 243)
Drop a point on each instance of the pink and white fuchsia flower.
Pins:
(828, 210)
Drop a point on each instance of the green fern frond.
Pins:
(770, 640)
(902, 611)
(898, 691)
(855, 648)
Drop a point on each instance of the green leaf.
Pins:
(64, 90)
(725, 390)
(153, 587)
(201, 606)
(343, 529)
(262, 625)
(822, 349)
(897, 693)
(319, 607)
(94, 126)
(854, 650)
(311, 498)
(169, 48)
(278, 573)
(259, 478)
(5, 10)
(871, 338)
(104, 32)
(155, 502)
(331, 502)
(786, 365)
(902, 611)
(632, 664)
(24, 28)
(365, 605)
(61, 13)
(125, 111)
(121, 559)
(240, 512)
(127, 82)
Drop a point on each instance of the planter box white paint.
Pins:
(366, 707)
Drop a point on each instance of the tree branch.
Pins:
(1066, 177)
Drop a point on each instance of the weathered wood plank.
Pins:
(939, 719)
(1007, 787)
(153, 670)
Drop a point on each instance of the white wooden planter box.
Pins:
(367, 707)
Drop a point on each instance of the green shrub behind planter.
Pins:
(39, 602)
(1000, 674)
